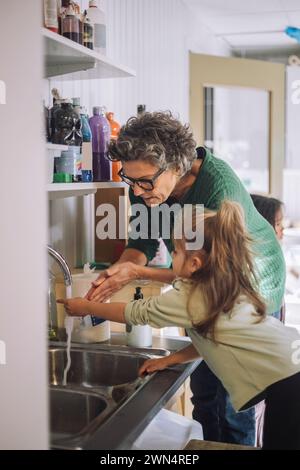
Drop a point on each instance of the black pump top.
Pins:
(138, 293)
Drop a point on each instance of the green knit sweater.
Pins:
(216, 182)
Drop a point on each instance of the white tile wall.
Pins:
(148, 36)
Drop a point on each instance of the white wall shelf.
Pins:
(63, 190)
(56, 147)
(64, 57)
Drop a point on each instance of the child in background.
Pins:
(215, 299)
(271, 209)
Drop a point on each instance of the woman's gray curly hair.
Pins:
(157, 138)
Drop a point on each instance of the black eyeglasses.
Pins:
(144, 183)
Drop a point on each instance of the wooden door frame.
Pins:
(206, 70)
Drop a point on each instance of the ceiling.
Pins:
(249, 24)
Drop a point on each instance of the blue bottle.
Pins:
(85, 127)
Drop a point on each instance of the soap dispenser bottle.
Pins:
(139, 336)
(89, 328)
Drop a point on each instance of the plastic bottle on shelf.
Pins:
(69, 162)
(97, 17)
(139, 336)
(85, 127)
(78, 15)
(100, 140)
(67, 125)
(114, 125)
(51, 15)
(70, 27)
(115, 129)
(62, 8)
(87, 151)
(88, 32)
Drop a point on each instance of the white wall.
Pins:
(153, 37)
(148, 36)
(23, 312)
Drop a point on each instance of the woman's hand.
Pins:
(112, 280)
(76, 307)
(152, 365)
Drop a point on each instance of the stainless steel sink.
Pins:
(98, 383)
(72, 412)
(94, 368)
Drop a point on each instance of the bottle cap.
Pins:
(93, 4)
(70, 10)
(76, 101)
(86, 19)
(138, 293)
(66, 101)
(99, 110)
(103, 110)
(96, 110)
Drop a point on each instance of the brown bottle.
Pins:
(62, 13)
(70, 26)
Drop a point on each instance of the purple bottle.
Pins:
(100, 139)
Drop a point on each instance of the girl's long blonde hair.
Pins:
(227, 270)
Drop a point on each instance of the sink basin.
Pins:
(72, 412)
(94, 368)
(105, 405)
(99, 382)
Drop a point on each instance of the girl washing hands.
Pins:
(215, 299)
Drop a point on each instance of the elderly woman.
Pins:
(161, 164)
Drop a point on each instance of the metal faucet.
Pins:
(63, 265)
(53, 328)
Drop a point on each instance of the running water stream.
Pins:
(69, 322)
